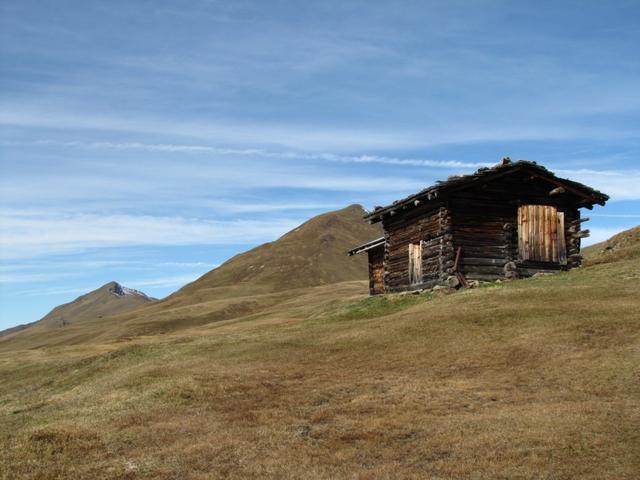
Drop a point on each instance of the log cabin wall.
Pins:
(376, 270)
(428, 227)
(485, 226)
(510, 220)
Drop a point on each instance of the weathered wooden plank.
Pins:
(562, 248)
(480, 240)
(538, 265)
(495, 251)
(482, 261)
(537, 233)
(520, 225)
(554, 234)
(415, 263)
(528, 235)
(546, 232)
(523, 229)
(376, 271)
(486, 269)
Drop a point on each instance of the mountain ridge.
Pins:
(109, 299)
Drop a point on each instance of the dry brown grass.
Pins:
(623, 246)
(534, 379)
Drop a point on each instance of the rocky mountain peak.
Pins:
(121, 291)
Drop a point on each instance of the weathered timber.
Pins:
(483, 261)
(561, 235)
(581, 234)
(522, 266)
(488, 269)
(376, 270)
(579, 221)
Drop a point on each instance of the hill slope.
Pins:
(622, 246)
(110, 299)
(312, 254)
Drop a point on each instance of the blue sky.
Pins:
(148, 141)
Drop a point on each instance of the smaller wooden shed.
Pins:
(513, 220)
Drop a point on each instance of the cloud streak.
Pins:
(164, 282)
(305, 137)
(30, 236)
(618, 184)
(253, 153)
(600, 234)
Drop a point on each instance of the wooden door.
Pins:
(376, 270)
(415, 263)
(541, 234)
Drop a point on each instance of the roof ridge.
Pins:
(432, 192)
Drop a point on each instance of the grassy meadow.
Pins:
(538, 378)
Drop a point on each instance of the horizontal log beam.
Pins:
(483, 261)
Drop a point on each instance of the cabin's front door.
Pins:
(415, 263)
(541, 236)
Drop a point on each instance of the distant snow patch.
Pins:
(121, 291)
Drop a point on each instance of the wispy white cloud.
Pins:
(186, 264)
(32, 277)
(24, 237)
(254, 153)
(229, 207)
(600, 234)
(306, 137)
(47, 291)
(57, 264)
(615, 215)
(163, 282)
(618, 184)
(248, 134)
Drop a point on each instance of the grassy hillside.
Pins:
(624, 245)
(312, 254)
(104, 302)
(537, 378)
(110, 299)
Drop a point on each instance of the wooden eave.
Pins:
(378, 242)
(589, 195)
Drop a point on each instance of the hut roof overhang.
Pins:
(366, 246)
(440, 189)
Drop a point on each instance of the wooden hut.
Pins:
(513, 220)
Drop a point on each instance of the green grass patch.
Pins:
(369, 307)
